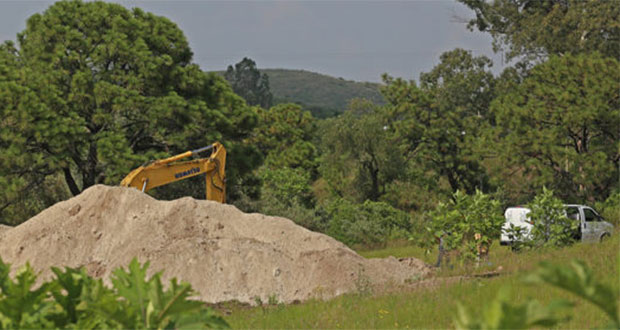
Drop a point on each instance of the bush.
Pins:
(551, 225)
(286, 186)
(467, 224)
(311, 218)
(610, 208)
(75, 300)
(369, 223)
(286, 192)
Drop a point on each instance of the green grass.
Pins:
(399, 249)
(435, 306)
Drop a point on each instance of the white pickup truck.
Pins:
(592, 227)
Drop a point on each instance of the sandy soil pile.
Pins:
(224, 253)
(3, 229)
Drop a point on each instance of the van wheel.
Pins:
(604, 237)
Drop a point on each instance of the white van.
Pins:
(592, 227)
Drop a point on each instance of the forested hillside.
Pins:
(321, 94)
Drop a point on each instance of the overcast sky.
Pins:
(356, 40)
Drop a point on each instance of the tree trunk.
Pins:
(89, 173)
(75, 190)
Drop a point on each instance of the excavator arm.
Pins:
(164, 171)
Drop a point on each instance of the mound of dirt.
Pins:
(224, 253)
(4, 228)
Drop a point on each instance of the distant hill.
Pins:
(321, 94)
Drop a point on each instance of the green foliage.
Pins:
(575, 278)
(518, 237)
(537, 29)
(273, 299)
(558, 128)
(286, 192)
(75, 300)
(457, 222)
(287, 185)
(551, 225)
(22, 306)
(67, 291)
(359, 158)
(369, 223)
(247, 82)
(610, 208)
(437, 124)
(153, 307)
(21, 205)
(284, 135)
(322, 95)
(578, 279)
(502, 313)
(94, 90)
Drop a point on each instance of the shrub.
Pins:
(467, 224)
(551, 225)
(75, 300)
(368, 223)
(610, 208)
(286, 192)
(286, 186)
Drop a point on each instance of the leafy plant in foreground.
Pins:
(501, 314)
(578, 279)
(154, 307)
(21, 306)
(75, 300)
(575, 278)
(71, 290)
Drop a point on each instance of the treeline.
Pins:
(552, 120)
(92, 90)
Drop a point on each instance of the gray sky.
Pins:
(356, 40)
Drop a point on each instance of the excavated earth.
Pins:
(224, 253)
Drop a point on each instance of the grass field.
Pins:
(433, 305)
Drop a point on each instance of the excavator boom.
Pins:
(168, 170)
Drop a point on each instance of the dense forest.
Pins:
(90, 90)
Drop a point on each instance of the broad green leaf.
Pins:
(578, 279)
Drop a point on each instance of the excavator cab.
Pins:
(168, 170)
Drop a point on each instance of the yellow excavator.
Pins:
(168, 170)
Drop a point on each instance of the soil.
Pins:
(224, 253)
(4, 228)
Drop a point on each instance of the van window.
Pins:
(572, 213)
(590, 215)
